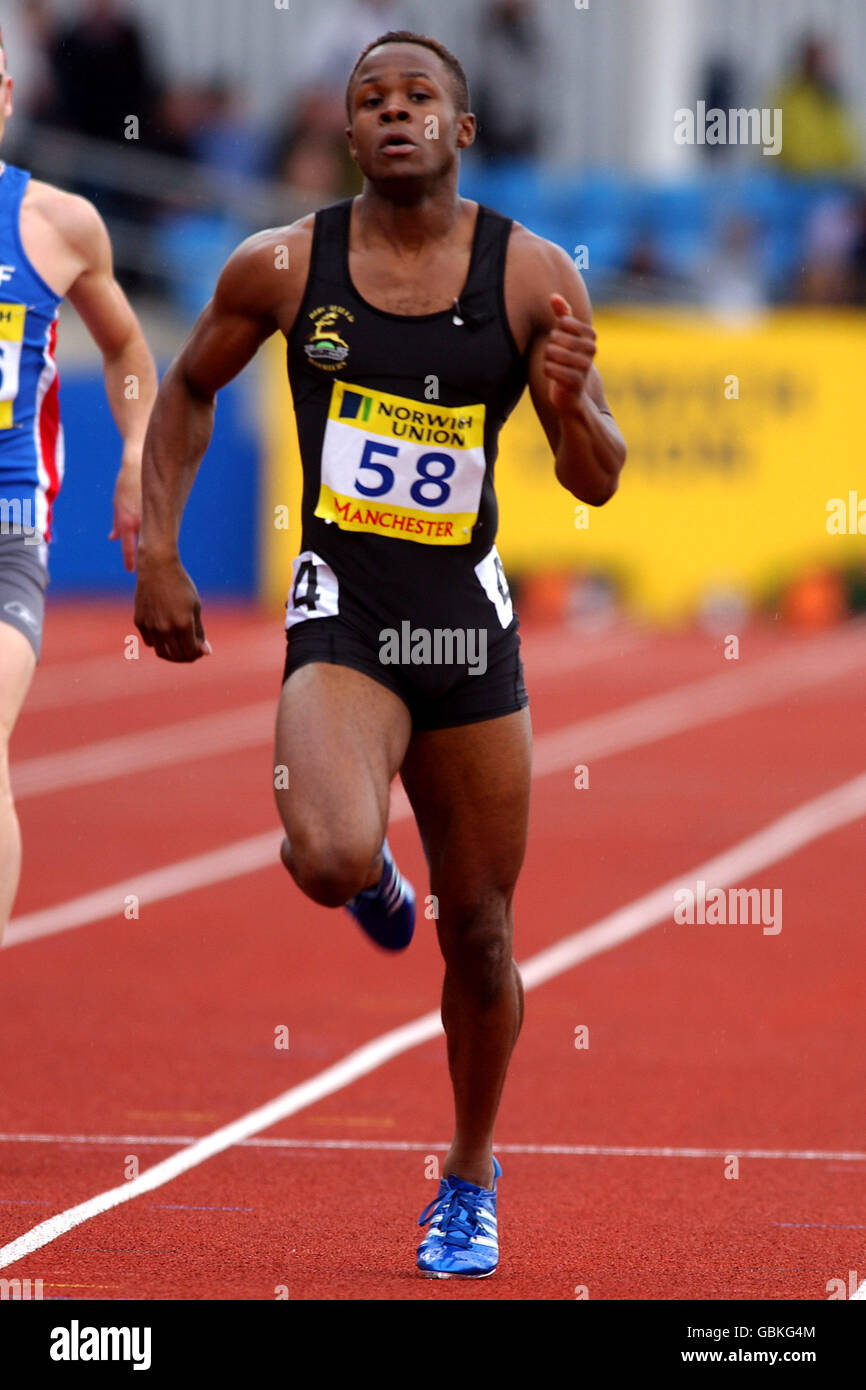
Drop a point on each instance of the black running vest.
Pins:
(398, 419)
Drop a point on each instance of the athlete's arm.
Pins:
(130, 373)
(258, 291)
(564, 383)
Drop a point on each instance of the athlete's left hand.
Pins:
(127, 509)
(568, 357)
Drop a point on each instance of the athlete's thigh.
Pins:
(341, 738)
(17, 664)
(469, 789)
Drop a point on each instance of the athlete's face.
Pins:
(405, 124)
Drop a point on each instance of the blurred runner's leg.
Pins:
(17, 664)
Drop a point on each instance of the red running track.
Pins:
(711, 1050)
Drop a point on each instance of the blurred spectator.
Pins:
(176, 114)
(223, 137)
(733, 284)
(338, 32)
(505, 80)
(645, 278)
(829, 241)
(721, 84)
(311, 151)
(31, 38)
(102, 73)
(314, 168)
(102, 77)
(818, 132)
(858, 253)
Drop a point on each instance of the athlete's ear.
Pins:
(466, 127)
(9, 85)
(352, 147)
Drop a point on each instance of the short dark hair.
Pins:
(458, 76)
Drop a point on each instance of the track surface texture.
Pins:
(677, 1123)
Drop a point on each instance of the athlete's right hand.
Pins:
(168, 610)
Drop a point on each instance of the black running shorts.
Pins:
(422, 667)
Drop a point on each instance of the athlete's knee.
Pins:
(326, 870)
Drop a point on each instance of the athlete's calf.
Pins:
(476, 937)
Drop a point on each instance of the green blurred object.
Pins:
(855, 586)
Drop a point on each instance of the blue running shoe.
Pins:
(387, 912)
(462, 1242)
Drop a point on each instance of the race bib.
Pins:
(315, 590)
(12, 318)
(392, 466)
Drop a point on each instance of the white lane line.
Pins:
(358, 1063)
(567, 649)
(776, 841)
(60, 685)
(632, 726)
(167, 745)
(61, 682)
(249, 726)
(685, 707)
(415, 1146)
(700, 702)
(202, 870)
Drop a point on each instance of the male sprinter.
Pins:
(52, 245)
(414, 319)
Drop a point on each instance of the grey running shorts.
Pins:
(23, 581)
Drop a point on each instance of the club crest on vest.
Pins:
(324, 346)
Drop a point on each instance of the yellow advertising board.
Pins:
(746, 462)
(282, 478)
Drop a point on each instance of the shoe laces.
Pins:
(460, 1221)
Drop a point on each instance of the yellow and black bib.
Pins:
(399, 416)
